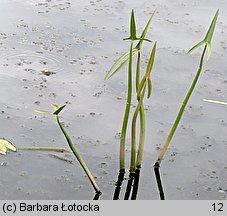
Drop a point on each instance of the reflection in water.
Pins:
(97, 195)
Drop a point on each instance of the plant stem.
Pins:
(142, 115)
(127, 111)
(129, 185)
(159, 181)
(138, 70)
(175, 125)
(142, 137)
(133, 140)
(139, 153)
(43, 149)
(133, 145)
(79, 158)
(118, 184)
(181, 111)
(124, 129)
(136, 184)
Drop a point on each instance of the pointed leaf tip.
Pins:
(207, 40)
(59, 110)
(210, 31)
(138, 46)
(132, 26)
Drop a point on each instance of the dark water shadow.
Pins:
(118, 184)
(159, 181)
(97, 195)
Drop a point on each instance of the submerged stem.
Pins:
(159, 181)
(129, 185)
(118, 184)
(136, 184)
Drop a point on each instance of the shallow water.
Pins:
(59, 52)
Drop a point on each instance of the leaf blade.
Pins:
(59, 110)
(4, 145)
(149, 86)
(143, 35)
(43, 112)
(210, 31)
(151, 61)
(195, 47)
(56, 107)
(132, 26)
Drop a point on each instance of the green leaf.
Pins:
(210, 31)
(59, 110)
(208, 37)
(132, 26)
(151, 61)
(149, 85)
(44, 112)
(56, 107)
(195, 47)
(118, 61)
(208, 50)
(4, 144)
(138, 46)
(112, 72)
(135, 50)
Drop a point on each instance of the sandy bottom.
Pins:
(58, 51)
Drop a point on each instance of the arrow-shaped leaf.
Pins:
(208, 37)
(59, 110)
(4, 144)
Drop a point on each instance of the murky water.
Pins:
(57, 51)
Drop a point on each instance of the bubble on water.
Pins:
(4, 163)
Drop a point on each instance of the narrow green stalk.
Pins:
(42, 149)
(207, 42)
(127, 111)
(79, 158)
(133, 140)
(142, 113)
(174, 127)
(138, 71)
(136, 161)
(142, 137)
(119, 64)
(181, 111)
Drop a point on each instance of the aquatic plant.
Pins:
(56, 112)
(5, 144)
(136, 160)
(207, 45)
(126, 58)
